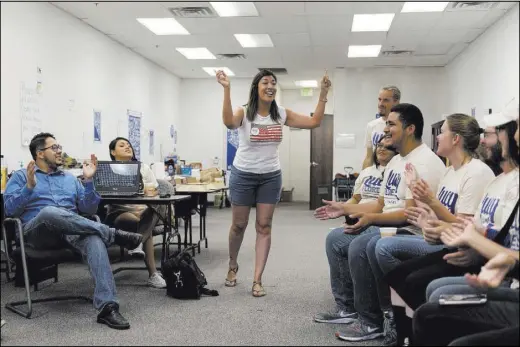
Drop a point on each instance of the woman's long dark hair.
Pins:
(252, 104)
(113, 144)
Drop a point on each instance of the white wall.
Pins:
(486, 74)
(355, 103)
(79, 63)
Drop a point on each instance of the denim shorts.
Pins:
(246, 188)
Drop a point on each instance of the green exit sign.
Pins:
(306, 91)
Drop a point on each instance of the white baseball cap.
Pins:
(510, 114)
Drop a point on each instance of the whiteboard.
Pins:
(31, 122)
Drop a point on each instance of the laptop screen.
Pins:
(118, 175)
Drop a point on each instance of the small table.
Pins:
(201, 200)
(150, 201)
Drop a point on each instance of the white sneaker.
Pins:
(137, 252)
(156, 281)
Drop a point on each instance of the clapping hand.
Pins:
(331, 210)
(493, 273)
(89, 169)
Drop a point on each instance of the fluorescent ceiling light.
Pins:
(163, 26)
(372, 22)
(235, 9)
(212, 71)
(254, 40)
(363, 51)
(307, 84)
(424, 6)
(196, 53)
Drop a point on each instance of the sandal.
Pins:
(232, 283)
(260, 291)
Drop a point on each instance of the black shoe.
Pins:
(110, 316)
(127, 240)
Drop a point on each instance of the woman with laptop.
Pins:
(137, 218)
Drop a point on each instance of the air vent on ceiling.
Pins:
(233, 56)
(193, 12)
(397, 53)
(275, 70)
(472, 5)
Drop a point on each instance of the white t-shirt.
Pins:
(394, 189)
(374, 132)
(462, 190)
(499, 201)
(513, 241)
(368, 183)
(258, 143)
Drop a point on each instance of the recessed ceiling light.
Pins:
(163, 26)
(372, 22)
(307, 84)
(196, 53)
(254, 40)
(235, 9)
(363, 51)
(212, 71)
(425, 6)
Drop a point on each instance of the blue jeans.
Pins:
(459, 285)
(392, 251)
(371, 293)
(54, 227)
(337, 248)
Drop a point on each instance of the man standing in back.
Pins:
(389, 96)
(47, 200)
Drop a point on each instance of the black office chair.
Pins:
(34, 266)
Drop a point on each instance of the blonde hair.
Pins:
(466, 127)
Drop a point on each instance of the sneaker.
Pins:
(156, 281)
(137, 252)
(359, 331)
(390, 330)
(336, 317)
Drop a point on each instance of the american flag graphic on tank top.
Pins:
(262, 133)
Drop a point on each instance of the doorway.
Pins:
(321, 162)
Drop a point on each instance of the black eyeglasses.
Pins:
(55, 148)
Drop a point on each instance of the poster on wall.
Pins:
(231, 146)
(97, 126)
(151, 145)
(30, 118)
(134, 131)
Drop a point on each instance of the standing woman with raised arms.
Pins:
(256, 177)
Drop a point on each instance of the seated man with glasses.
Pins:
(47, 200)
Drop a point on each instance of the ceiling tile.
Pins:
(410, 38)
(282, 8)
(437, 49)
(461, 20)
(291, 40)
(329, 8)
(336, 31)
(415, 21)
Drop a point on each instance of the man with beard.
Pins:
(490, 150)
(47, 200)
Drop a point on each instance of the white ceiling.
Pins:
(308, 37)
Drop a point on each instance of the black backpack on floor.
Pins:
(184, 279)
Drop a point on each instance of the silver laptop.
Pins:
(117, 178)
